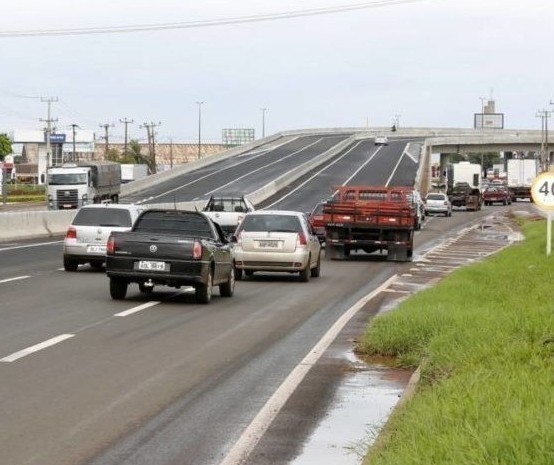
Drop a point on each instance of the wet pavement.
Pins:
(336, 414)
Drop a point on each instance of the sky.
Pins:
(428, 62)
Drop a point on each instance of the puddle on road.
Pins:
(360, 408)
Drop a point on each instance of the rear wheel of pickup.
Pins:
(69, 264)
(227, 289)
(204, 291)
(118, 288)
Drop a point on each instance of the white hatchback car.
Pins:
(437, 202)
(276, 240)
(381, 140)
(86, 238)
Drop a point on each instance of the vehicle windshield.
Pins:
(275, 223)
(115, 217)
(67, 179)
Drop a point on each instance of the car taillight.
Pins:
(301, 239)
(197, 250)
(110, 246)
(71, 233)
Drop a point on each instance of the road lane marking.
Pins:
(29, 245)
(138, 308)
(259, 425)
(17, 278)
(30, 350)
(313, 177)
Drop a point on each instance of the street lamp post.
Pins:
(199, 128)
(263, 110)
(73, 127)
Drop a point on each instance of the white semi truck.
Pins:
(73, 185)
(521, 173)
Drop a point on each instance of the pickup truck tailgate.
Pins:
(152, 247)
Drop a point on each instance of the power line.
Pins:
(204, 23)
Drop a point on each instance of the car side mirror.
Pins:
(233, 239)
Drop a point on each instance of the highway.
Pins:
(161, 380)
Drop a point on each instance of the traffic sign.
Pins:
(542, 191)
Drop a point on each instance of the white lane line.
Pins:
(264, 167)
(29, 245)
(138, 308)
(254, 432)
(361, 167)
(397, 165)
(313, 177)
(17, 278)
(43, 345)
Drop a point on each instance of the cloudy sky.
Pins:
(428, 61)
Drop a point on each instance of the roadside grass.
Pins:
(484, 341)
(25, 193)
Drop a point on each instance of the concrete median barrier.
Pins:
(29, 224)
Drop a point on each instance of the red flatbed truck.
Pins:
(369, 218)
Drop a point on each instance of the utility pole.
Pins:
(126, 122)
(48, 121)
(199, 128)
(263, 120)
(150, 133)
(106, 127)
(73, 127)
(545, 156)
(397, 120)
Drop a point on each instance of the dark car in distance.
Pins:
(171, 248)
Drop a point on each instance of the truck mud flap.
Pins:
(399, 253)
(334, 252)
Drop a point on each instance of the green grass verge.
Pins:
(25, 198)
(484, 339)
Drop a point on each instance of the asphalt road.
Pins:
(159, 379)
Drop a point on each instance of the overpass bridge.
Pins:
(443, 141)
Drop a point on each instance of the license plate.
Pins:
(268, 244)
(152, 266)
(96, 249)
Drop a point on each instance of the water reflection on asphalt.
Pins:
(360, 408)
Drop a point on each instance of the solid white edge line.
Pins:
(43, 345)
(29, 245)
(17, 278)
(259, 425)
(138, 308)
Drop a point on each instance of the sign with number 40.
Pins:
(542, 191)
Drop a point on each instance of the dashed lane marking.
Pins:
(30, 350)
(17, 278)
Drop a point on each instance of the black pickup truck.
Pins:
(172, 248)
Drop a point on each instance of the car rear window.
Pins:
(174, 223)
(103, 217)
(277, 223)
(435, 197)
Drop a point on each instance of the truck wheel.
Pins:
(118, 288)
(227, 289)
(315, 272)
(70, 264)
(204, 291)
